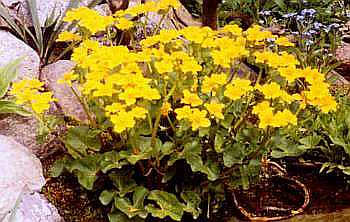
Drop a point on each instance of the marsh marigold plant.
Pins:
(178, 100)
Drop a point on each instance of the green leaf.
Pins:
(211, 170)
(123, 182)
(281, 4)
(18, 29)
(81, 139)
(193, 201)
(106, 197)
(144, 150)
(136, 208)
(310, 142)
(8, 107)
(282, 147)
(120, 217)
(192, 154)
(167, 148)
(8, 73)
(37, 26)
(58, 167)
(233, 154)
(219, 141)
(87, 179)
(168, 205)
(112, 160)
(85, 169)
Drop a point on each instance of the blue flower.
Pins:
(309, 42)
(300, 18)
(308, 12)
(318, 25)
(265, 13)
(289, 15)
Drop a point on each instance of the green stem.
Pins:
(121, 38)
(160, 23)
(85, 107)
(156, 124)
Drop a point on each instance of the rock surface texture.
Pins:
(343, 55)
(34, 207)
(67, 101)
(21, 175)
(21, 129)
(12, 48)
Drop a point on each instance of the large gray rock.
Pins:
(23, 130)
(67, 101)
(12, 48)
(19, 9)
(20, 172)
(34, 207)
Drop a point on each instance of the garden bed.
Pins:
(329, 195)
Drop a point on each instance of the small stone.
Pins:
(66, 99)
(11, 48)
(20, 171)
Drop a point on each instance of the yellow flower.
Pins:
(149, 93)
(138, 112)
(213, 82)
(327, 104)
(215, 109)
(104, 90)
(233, 29)
(129, 96)
(313, 76)
(89, 19)
(290, 73)
(222, 59)
(122, 121)
(266, 118)
(195, 34)
(238, 88)
(284, 118)
(183, 112)
(271, 90)
(166, 108)
(124, 24)
(199, 119)
(190, 66)
(165, 4)
(164, 66)
(114, 108)
(257, 35)
(28, 93)
(66, 36)
(287, 59)
(261, 108)
(269, 58)
(284, 41)
(166, 36)
(68, 78)
(191, 99)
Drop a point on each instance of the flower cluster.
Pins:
(94, 22)
(190, 73)
(28, 92)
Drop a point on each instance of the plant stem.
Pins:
(160, 22)
(85, 107)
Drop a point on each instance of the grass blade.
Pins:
(10, 21)
(37, 26)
